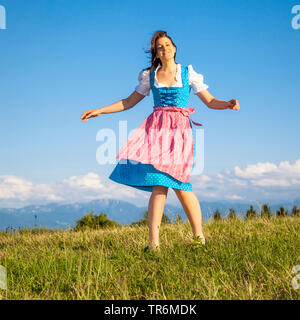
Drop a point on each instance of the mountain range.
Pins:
(63, 216)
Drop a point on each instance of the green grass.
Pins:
(250, 259)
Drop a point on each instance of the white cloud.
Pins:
(13, 187)
(255, 181)
(261, 181)
(234, 197)
(286, 174)
(256, 170)
(21, 190)
(276, 182)
(17, 192)
(88, 181)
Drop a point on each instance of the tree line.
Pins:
(101, 221)
(263, 212)
(94, 221)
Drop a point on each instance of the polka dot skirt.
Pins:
(144, 176)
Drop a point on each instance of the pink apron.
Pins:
(164, 140)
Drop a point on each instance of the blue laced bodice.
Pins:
(172, 96)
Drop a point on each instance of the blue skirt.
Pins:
(144, 176)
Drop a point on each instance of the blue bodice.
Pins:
(172, 96)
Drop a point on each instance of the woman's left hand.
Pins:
(234, 104)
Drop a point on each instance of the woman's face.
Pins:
(164, 49)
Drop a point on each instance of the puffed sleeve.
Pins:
(196, 80)
(144, 83)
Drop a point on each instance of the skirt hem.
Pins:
(147, 187)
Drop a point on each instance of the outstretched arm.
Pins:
(118, 106)
(217, 104)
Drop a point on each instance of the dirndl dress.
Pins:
(161, 150)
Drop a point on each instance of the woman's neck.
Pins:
(169, 65)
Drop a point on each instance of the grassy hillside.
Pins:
(250, 259)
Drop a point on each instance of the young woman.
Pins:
(163, 159)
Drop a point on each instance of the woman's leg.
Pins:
(192, 209)
(155, 212)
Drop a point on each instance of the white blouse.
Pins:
(195, 80)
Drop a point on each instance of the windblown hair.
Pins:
(154, 60)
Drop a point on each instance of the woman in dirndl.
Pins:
(160, 153)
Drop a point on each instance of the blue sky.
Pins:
(62, 57)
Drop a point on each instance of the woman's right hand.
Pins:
(90, 114)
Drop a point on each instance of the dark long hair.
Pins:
(156, 61)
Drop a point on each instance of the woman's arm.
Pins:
(217, 104)
(118, 106)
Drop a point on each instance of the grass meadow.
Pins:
(243, 259)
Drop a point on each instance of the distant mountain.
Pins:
(55, 215)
